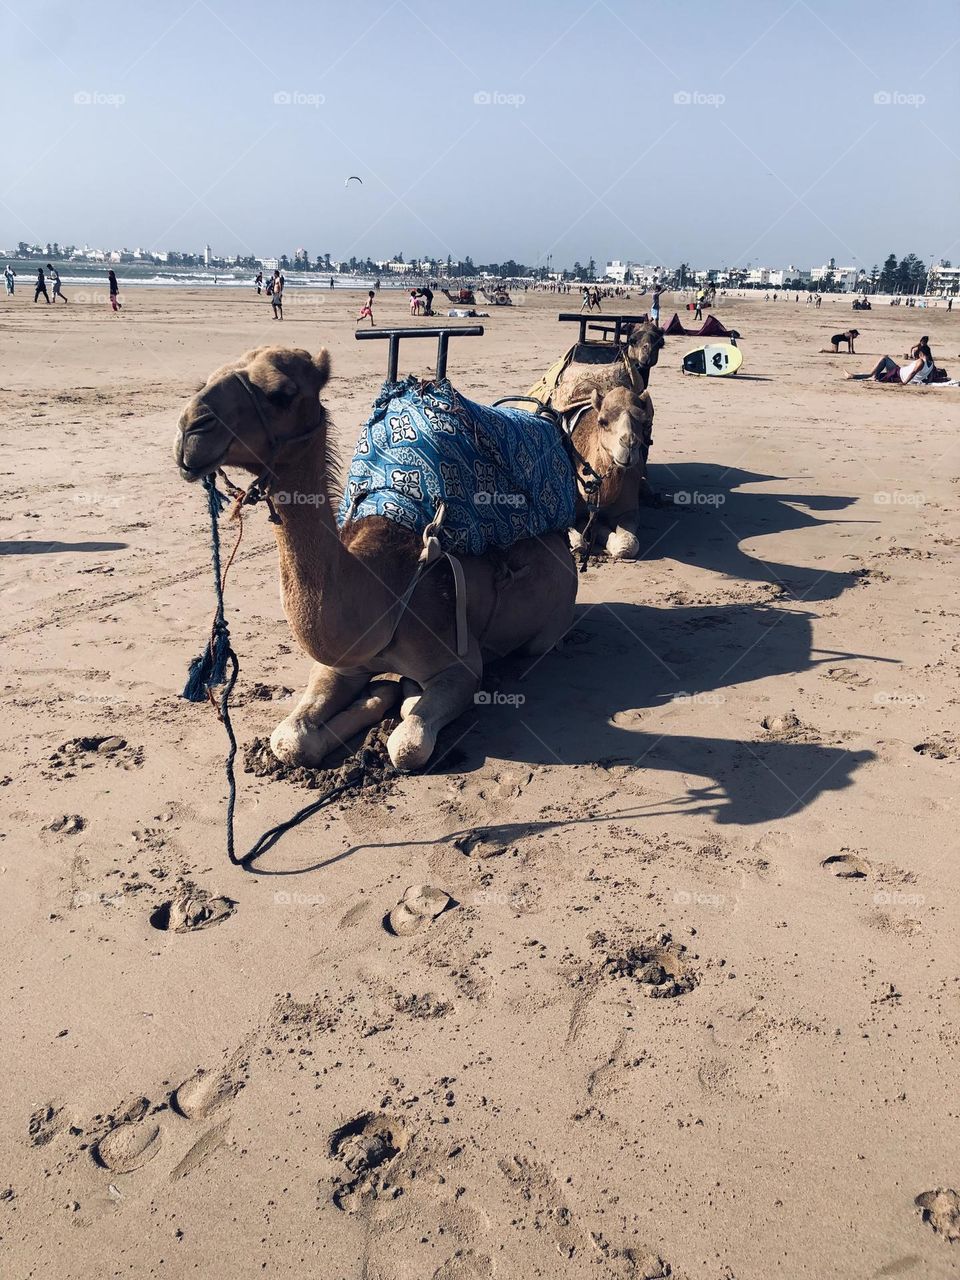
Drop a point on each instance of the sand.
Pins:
(692, 1009)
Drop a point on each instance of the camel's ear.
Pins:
(321, 362)
(646, 402)
(596, 399)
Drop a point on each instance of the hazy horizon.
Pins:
(766, 133)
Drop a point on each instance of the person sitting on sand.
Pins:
(837, 338)
(366, 311)
(921, 349)
(887, 370)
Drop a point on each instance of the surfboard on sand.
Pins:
(716, 360)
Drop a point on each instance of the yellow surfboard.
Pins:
(716, 360)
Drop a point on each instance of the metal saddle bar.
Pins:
(443, 337)
(611, 322)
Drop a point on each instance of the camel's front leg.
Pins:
(444, 697)
(330, 713)
(623, 543)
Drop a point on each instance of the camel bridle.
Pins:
(259, 490)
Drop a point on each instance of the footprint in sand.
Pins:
(129, 1146)
(541, 1195)
(191, 912)
(45, 1123)
(368, 1147)
(417, 910)
(941, 1209)
(659, 966)
(204, 1092)
(465, 1265)
(846, 866)
(944, 746)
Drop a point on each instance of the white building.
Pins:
(944, 280)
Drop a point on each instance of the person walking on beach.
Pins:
(114, 290)
(698, 312)
(9, 275)
(277, 299)
(258, 281)
(41, 287)
(55, 277)
(655, 304)
(367, 309)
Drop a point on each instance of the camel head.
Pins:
(624, 424)
(249, 410)
(645, 342)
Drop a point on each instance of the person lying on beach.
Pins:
(837, 338)
(887, 370)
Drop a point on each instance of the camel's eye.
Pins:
(282, 394)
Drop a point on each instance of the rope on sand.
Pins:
(219, 667)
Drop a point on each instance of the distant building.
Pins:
(944, 280)
(206, 255)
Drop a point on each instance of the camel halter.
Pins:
(259, 490)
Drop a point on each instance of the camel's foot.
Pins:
(623, 545)
(576, 539)
(300, 741)
(411, 744)
(295, 743)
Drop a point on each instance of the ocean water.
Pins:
(133, 274)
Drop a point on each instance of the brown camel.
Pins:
(602, 365)
(613, 435)
(342, 592)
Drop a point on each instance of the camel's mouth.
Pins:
(196, 450)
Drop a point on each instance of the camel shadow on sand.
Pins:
(711, 516)
(587, 704)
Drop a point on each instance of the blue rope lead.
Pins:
(210, 668)
(218, 666)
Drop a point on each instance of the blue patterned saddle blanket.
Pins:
(501, 474)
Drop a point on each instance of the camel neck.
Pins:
(318, 575)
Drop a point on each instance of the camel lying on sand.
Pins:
(604, 366)
(342, 591)
(613, 436)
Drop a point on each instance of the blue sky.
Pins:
(783, 154)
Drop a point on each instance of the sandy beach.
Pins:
(693, 1009)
